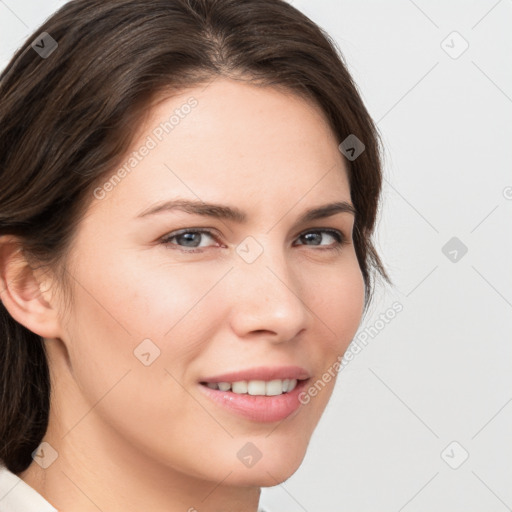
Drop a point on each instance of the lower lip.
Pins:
(264, 409)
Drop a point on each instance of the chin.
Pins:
(277, 462)
(268, 476)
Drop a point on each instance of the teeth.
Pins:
(239, 387)
(256, 387)
(274, 387)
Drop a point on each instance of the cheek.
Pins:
(337, 303)
(144, 300)
(122, 305)
(339, 307)
(109, 322)
(351, 300)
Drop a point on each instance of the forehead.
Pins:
(237, 141)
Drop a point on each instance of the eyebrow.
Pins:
(234, 214)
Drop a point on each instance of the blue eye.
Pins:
(191, 238)
(337, 235)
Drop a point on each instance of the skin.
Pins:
(132, 437)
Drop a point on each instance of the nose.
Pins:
(267, 298)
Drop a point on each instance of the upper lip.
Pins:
(261, 373)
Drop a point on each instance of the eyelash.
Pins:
(337, 246)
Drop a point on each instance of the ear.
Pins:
(25, 293)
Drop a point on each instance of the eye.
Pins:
(190, 238)
(317, 235)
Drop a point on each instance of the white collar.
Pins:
(17, 496)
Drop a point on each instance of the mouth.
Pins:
(262, 399)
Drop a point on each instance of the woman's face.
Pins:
(160, 308)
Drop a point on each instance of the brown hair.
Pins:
(67, 118)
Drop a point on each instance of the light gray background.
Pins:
(441, 370)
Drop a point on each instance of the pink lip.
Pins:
(263, 409)
(262, 373)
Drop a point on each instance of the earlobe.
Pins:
(23, 294)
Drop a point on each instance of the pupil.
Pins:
(189, 237)
(317, 235)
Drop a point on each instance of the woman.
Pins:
(190, 189)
